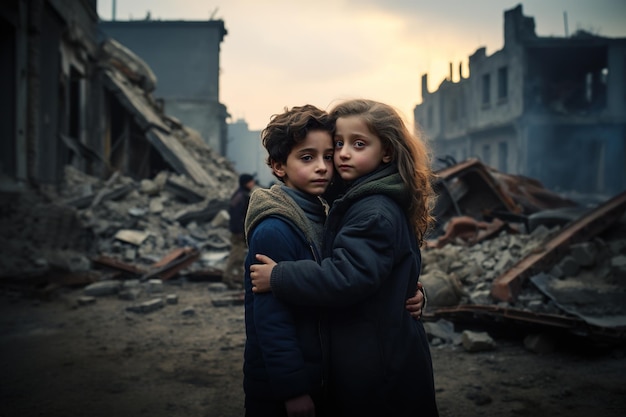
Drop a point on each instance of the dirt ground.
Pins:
(61, 359)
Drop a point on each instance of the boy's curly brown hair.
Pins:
(291, 127)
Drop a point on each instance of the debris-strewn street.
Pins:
(112, 303)
(61, 358)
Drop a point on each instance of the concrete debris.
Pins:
(457, 273)
(442, 332)
(137, 234)
(188, 311)
(85, 220)
(147, 306)
(86, 300)
(505, 249)
(103, 288)
(477, 341)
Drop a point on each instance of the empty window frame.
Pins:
(503, 83)
(486, 97)
(486, 154)
(503, 156)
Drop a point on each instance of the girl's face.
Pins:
(357, 150)
(309, 166)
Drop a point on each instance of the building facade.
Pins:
(71, 98)
(247, 153)
(551, 108)
(185, 57)
(50, 87)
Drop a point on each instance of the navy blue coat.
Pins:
(380, 360)
(283, 353)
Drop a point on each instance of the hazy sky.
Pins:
(281, 53)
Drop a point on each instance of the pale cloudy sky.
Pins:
(281, 53)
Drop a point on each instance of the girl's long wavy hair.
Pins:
(410, 154)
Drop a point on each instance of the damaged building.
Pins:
(83, 133)
(74, 99)
(550, 108)
(184, 56)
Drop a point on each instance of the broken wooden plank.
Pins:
(165, 272)
(508, 285)
(477, 312)
(118, 265)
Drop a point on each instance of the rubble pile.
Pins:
(153, 217)
(38, 234)
(589, 281)
(459, 273)
(523, 266)
(135, 222)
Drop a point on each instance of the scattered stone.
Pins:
(171, 299)
(188, 311)
(131, 283)
(477, 341)
(231, 298)
(443, 330)
(155, 286)
(147, 307)
(442, 289)
(130, 294)
(221, 219)
(149, 187)
(156, 206)
(102, 288)
(134, 237)
(218, 287)
(137, 212)
(86, 300)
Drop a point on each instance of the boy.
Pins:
(283, 356)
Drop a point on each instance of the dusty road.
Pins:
(60, 359)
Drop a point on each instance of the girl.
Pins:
(379, 358)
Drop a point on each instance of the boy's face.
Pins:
(309, 166)
(357, 150)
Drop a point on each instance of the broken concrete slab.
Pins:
(581, 297)
(103, 288)
(147, 306)
(134, 237)
(477, 341)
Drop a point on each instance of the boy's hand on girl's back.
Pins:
(260, 274)
(415, 304)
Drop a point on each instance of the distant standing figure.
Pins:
(233, 272)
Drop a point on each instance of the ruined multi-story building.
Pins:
(551, 108)
(184, 55)
(70, 97)
(46, 62)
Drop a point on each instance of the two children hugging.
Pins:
(335, 335)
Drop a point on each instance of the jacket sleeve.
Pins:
(274, 321)
(362, 256)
